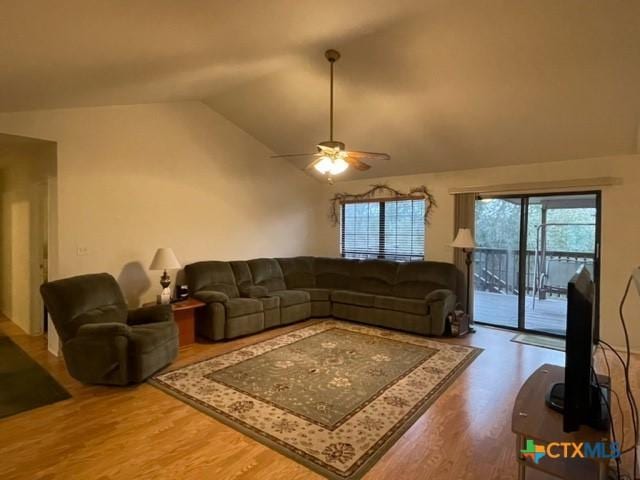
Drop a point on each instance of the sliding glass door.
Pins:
(561, 238)
(528, 249)
(496, 267)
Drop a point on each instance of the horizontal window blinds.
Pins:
(392, 229)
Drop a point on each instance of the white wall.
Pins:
(135, 178)
(620, 221)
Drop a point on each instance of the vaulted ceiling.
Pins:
(438, 84)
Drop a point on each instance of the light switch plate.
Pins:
(81, 250)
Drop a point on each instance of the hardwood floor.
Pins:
(140, 432)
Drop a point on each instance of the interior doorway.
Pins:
(529, 246)
(27, 228)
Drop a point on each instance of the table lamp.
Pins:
(165, 259)
(464, 240)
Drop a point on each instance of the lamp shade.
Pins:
(164, 259)
(464, 239)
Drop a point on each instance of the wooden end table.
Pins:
(533, 420)
(184, 314)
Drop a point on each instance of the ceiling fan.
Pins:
(332, 158)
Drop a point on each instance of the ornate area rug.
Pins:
(334, 396)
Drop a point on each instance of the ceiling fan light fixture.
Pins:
(331, 157)
(324, 165)
(332, 166)
(339, 166)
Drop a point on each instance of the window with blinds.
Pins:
(392, 229)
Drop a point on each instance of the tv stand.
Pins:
(533, 420)
(598, 415)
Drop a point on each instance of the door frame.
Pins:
(522, 261)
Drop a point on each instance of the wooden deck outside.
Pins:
(502, 310)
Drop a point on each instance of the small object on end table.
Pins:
(181, 293)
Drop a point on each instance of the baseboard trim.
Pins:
(623, 349)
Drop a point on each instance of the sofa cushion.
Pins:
(269, 303)
(267, 273)
(104, 314)
(317, 294)
(146, 338)
(375, 276)
(298, 272)
(295, 313)
(237, 307)
(321, 308)
(252, 291)
(407, 305)
(245, 325)
(334, 273)
(241, 272)
(214, 275)
(291, 297)
(68, 298)
(417, 279)
(353, 298)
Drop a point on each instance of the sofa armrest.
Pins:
(99, 353)
(253, 291)
(97, 330)
(211, 296)
(440, 302)
(438, 295)
(150, 314)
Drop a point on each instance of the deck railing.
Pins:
(496, 270)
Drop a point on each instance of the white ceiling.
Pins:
(438, 84)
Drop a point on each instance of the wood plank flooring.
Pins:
(139, 432)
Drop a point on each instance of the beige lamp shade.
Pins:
(464, 239)
(164, 259)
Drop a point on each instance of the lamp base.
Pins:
(468, 261)
(165, 280)
(165, 296)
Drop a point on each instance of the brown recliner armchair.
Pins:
(103, 342)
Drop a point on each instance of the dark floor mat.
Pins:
(24, 384)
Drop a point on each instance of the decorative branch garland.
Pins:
(340, 198)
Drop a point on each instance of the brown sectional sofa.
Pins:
(245, 297)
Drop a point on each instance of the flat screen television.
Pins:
(581, 397)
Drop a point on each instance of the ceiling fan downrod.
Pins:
(333, 56)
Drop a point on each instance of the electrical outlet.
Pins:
(82, 250)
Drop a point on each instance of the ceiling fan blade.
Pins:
(357, 163)
(369, 155)
(289, 155)
(309, 171)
